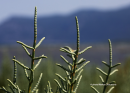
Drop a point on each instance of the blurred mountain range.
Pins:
(95, 26)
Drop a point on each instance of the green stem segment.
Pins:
(110, 60)
(76, 56)
(33, 51)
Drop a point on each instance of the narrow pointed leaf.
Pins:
(113, 82)
(101, 79)
(11, 83)
(26, 74)
(77, 84)
(3, 88)
(101, 71)
(67, 47)
(69, 67)
(113, 72)
(25, 45)
(26, 51)
(34, 89)
(82, 66)
(40, 42)
(67, 51)
(79, 74)
(105, 63)
(95, 89)
(36, 58)
(85, 50)
(65, 60)
(63, 67)
(57, 83)
(80, 61)
(37, 63)
(110, 89)
(21, 64)
(116, 65)
(60, 77)
(68, 75)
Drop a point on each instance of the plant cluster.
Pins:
(70, 83)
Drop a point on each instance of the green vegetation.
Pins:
(72, 83)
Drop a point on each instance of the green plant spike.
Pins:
(33, 52)
(14, 80)
(33, 58)
(69, 81)
(109, 71)
(15, 74)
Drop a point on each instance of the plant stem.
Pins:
(76, 56)
(33, 51)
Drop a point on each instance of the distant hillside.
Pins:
(94, 26)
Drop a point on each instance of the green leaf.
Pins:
(110, 89)
(105, 63)
(101, 71)
(80, 61)
(63, 67)
(95, 89)
(26, 51)
(101, 79)
(25, 45)
(85, 50)
(116, 65)
(77, 84)
(65, 60)
(21, 64)
(82, 66)
(113, 72)
(34, 89)
(40, 42)
(36, 58)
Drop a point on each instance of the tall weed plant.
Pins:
(68, 84)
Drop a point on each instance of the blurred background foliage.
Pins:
(49, 68)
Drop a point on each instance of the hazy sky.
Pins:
(9, 8)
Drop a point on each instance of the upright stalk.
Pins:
(76, 56)
(33, 51)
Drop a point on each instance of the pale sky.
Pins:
(9, 8)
